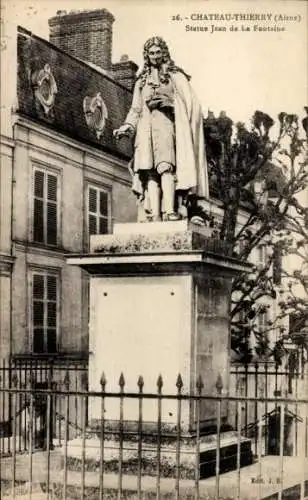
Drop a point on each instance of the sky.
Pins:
(235, 71)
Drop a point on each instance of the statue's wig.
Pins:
(168, 65)
(159, 42)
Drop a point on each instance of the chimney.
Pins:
(125, 71)
(85, 34)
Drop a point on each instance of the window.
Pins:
(45, 207)
(44, 311)
(98, 210)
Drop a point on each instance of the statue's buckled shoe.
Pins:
(173, 216)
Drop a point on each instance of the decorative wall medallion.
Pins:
(45, 88)
(96, 113)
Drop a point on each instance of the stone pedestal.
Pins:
(159, 304)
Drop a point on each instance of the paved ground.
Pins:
(295, 472)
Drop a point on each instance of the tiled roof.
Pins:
(75, 80)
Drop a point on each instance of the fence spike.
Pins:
(199, 384)
(179, 382)
(122, 381)
(140, 382)
(103, 381)
(159, 383)
(219, 384)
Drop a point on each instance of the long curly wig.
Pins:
(167, 66)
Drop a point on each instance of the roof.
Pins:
(75, 80)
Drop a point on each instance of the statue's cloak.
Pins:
(191, 167)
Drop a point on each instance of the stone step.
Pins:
(252, 485)
(168, 453)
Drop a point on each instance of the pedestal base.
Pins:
(159, 305)
(146, 455)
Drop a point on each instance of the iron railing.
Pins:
(267, 380)
(110, 456)
(28, 373)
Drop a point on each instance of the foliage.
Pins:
(252, 173)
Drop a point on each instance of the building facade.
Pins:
(63, 177)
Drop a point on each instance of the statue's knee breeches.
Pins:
(163, 141)
(164, 166)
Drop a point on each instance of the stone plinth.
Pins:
(168, 455)
(159, 304)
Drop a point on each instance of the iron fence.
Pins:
(269, 380)
(39, 374)
(144, 445)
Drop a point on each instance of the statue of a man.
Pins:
(167, 123)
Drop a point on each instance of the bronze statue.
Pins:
(166, 122)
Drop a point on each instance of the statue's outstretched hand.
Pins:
(125, 130)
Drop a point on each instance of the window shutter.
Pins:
(103, 203)
(103, 225)
(51, 209)
(98, 210)
(44, 312)
(51, 224)
(45, 208)
(38, 340)
(52, 185)
(51, 287)
(51, 319)
(92, 224)
(92, 200)
(38, 286)
(38, 206)
(39, 184)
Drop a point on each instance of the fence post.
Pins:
(66, 383)
(199, 387)
(31, 414)
(259, 452)
(238, 450)
(256, 402)
(140, 384)
(121, 385)
(246, 395)
(49, 427)
(102, 438)
(2, 405)
(179, 385)
(14, 404)
(85, 399)
(159, 411)
(219, 387)
(266, 409)
(283, 406)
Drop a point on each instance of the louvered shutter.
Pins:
(44, 312)
(38, 209)
(92, 211)
(45, 208)
(51, 209)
